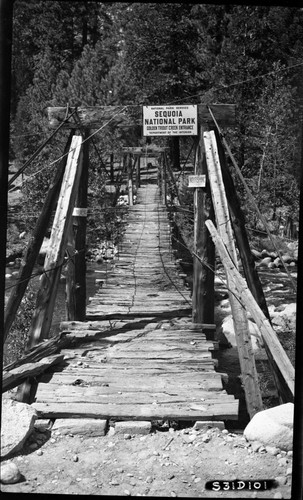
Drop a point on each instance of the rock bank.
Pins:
(17, 423)
(272, 427)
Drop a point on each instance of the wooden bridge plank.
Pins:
(175, 411)
(131, 398)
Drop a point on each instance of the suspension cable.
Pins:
(252, 198)
(42, 146)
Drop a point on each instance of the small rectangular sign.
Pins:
(170, 120)
(196, 181)
(80, 212)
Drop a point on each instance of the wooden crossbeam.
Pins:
(145, 151)
(94, 117)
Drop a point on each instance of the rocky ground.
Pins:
(167, 462)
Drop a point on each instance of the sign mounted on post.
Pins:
(170, 120)
(197, 181)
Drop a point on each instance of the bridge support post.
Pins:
(35, 243)
(164, 180)
(76, 275)
(138, 172)
(130, 180)
(203, 276)
(249, 373)
(42, 317)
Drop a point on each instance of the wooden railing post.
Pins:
(34, 244)
(173, 180)
(282, 364)
(238, 224)
(42, 318)
(164, 180)
(249, 373)
(137, 165)
(70, 286)
(130, 180)
(76, 276)
(203, 275)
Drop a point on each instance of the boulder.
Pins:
(289, 309)
(273, 255)
(9, 473)
(271, 265)
(287, 258)
(265, 261)
(277, 262)
(285, 313)
(17, 423)
(293, 249)
(99, 258)
(272, 427)
(228, 331)
(258, 255)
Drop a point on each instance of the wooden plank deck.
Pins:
(138, 356)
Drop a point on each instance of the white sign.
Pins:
(80, 212)
(170, 120)
(196, 181)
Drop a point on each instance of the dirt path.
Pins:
(167, 462)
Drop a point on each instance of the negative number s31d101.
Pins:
(239, 484)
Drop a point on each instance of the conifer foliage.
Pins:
(104, 53)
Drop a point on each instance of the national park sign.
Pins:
(170, 120)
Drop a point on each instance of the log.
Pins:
(139, 412)
(283, 366)
(144, 150)
(52, 392)
(19, 374)
(42, 350)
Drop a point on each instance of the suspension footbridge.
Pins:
(138, 355)
(143, 347)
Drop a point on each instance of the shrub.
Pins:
(17, 338)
